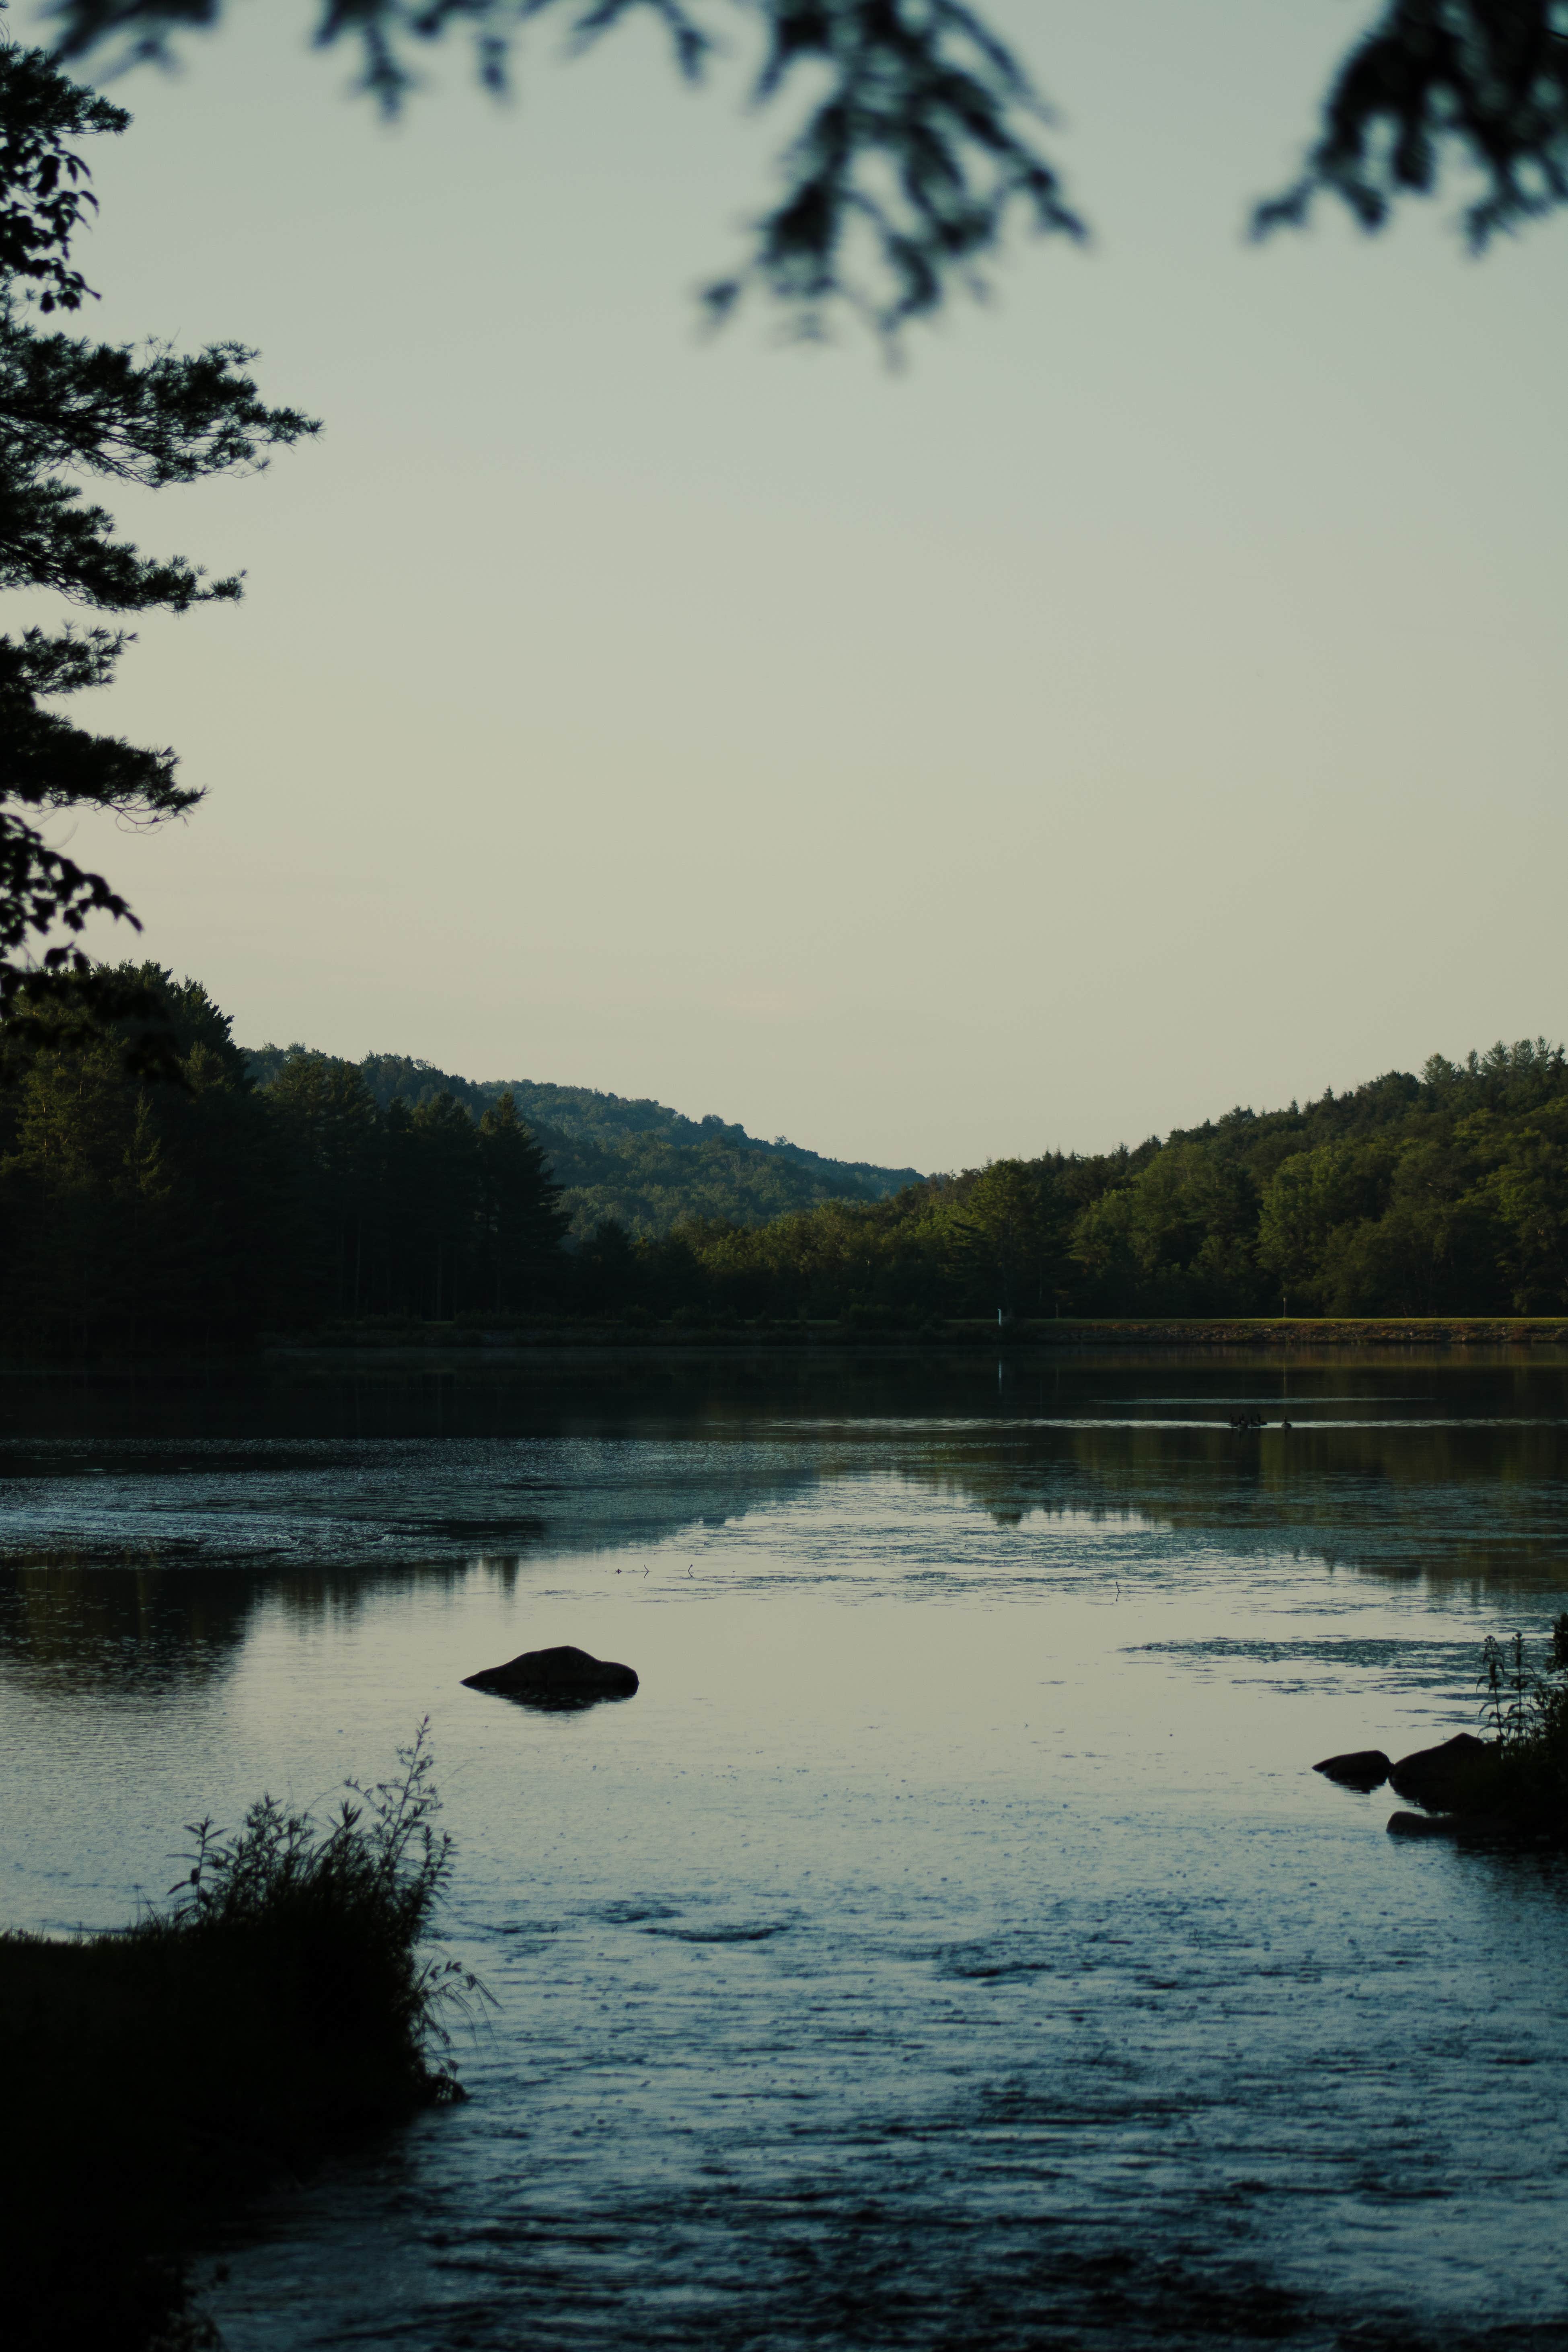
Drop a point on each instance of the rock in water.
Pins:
(560, 1678)
(1458, 1776)
(1365, 1768)
(1420, 1825)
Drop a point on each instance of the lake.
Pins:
(949, 1945)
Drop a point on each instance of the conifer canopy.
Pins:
(75, 411)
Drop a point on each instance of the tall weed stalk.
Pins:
(351, 1899)
(1525, 1708)
(279, 2003)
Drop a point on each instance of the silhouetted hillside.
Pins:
(137, 1214)
(638, 1161)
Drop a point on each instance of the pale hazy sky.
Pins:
(1150, 700)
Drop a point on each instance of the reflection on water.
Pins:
(67, 1625)
(949, 1945)
(1440, 1468)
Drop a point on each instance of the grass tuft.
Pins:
(277, 2006)
(1526, 1709)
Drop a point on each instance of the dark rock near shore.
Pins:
(1457, 1777)
(1421, 1826)
(559, 1678)
(1365, 1768)
(1471, 1829)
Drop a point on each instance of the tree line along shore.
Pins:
(223, 1202)
(481, 1336)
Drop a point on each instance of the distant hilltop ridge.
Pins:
(638, 1161)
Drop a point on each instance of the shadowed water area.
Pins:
(949, 1945)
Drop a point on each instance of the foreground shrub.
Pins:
(277, 2007)
(1527, 1711)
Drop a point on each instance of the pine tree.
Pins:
(133, 1213)
(330, 1129)
(446, 1168)
(73, 410)
(521, 1222)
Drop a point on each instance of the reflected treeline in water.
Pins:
(1478, 1506)
(148, 1626)
(144, 1525)
(1400, 1464)
(151, 1627)
(140, 1561)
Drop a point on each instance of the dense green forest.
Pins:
(637, 1162)
(204, 1206)
(1442, 1194)
(288, 1191)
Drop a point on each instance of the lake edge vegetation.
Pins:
(280, 2005)
(1525, 1788)
(142, 1214)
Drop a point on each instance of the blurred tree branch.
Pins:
(1441, 84)
(908, 166)
(923, 144)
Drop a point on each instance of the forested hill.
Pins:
(1442, 1193)
(138, 1214)
(637, 1162)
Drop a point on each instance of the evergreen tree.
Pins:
(133, 1211)
(520, 1223)
(329, 1130)
(73, 410)
(446, 1165)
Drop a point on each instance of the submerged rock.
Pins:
(558, 1678)
(1457, 1777)
(1420, 1825)
(1364, 1768)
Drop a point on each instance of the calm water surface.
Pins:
(949, 1945)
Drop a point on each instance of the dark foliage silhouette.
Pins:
(139, 1213)
(282, 2006)
(921, 140)
(636, 1161)
(73, 410)
(1437, 83)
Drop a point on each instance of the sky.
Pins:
(1147, 700)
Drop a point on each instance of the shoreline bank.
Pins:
(471, 1342)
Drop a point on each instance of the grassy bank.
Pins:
(279, 2008)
